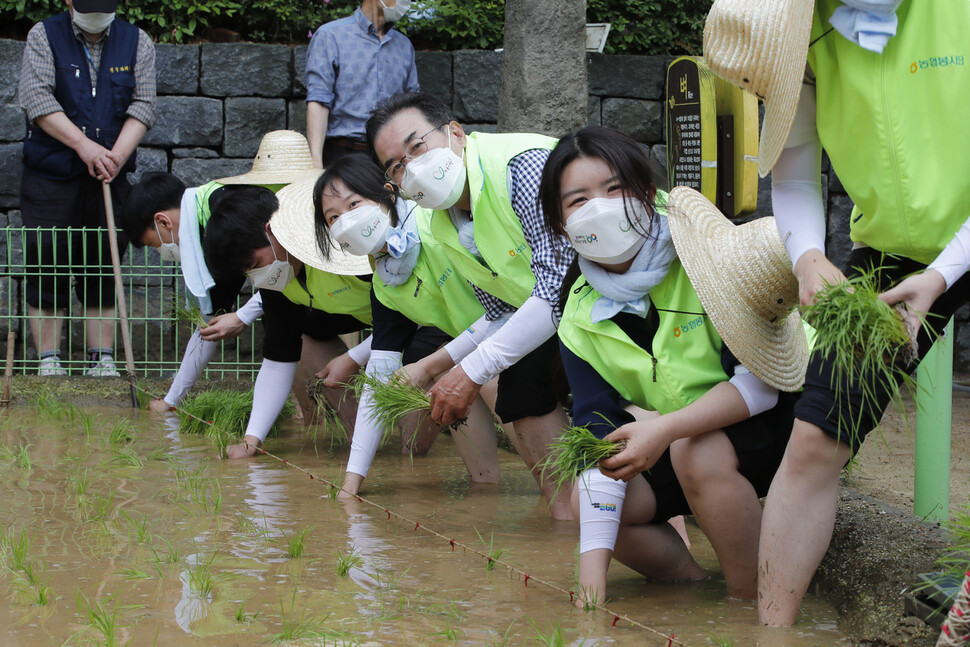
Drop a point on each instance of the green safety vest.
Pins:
(505, 270)
(684, 363)
(435, 294)
(333, 293)
(202, 195)
(894, 125)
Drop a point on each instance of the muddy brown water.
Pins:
(141, 541)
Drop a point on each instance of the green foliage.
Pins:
(657, 27)
(456, 24)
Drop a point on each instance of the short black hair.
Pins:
(236, 229)
(433, 109)
(363, 177)
(153, 193)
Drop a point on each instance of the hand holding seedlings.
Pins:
(339, 370)
(919, 292)
(224, 326)
(814, 271)
(452, 397)
(644, 442)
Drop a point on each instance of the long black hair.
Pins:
(362, 176)
(621, 153)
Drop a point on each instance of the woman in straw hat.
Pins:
(414, 285)
(884, 95)
(634, 330)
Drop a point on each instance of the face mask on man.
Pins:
(168, 251)
(274, 276)
(93, 22)
(395, 13)
(601, 229)
(436, 179)
(361, 231)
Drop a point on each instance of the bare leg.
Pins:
(99, 327)
(478, 445)
(798, 521)
(314, 357)
(489, 394)
(725, 506)
(45, 327)
(418, 434)
(531, 438)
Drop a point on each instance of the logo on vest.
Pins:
(518, 250)
(689, 326)
(933, 62)
(120, 68)
(444, 277)
(336, 292)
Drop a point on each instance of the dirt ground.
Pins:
(885, 465)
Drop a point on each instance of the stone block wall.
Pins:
(216, 100)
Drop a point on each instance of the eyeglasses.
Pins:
(416, 148)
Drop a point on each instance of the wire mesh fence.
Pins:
(57, 291)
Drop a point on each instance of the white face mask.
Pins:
(436, 179)
(395, 13)
(94, 22)
(274, 276)
(361, 231)
(601, 232)
(168, 251)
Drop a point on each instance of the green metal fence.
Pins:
(151, 286)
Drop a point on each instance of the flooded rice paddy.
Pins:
(117, 529)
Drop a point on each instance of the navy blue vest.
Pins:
(99, 114)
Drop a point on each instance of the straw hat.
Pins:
(762, 47)
(293, 226)
(283, 157)
(743, 278)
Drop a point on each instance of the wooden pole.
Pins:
(109, 213)
(8, 372)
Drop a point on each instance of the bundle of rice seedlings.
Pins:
(327, 414)
(228, 411)
(188, 311)
(394, 400)
(867, 341)
(574, 452)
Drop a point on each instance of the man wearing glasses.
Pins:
(483, 189)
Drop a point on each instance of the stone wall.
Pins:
(216, 100)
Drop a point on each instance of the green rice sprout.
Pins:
(721, 640)
(121, 432)
(493, 550)
(351, 560)
(394, 400)
(199, 575)
(295, 544)
(127, 457)
(49, 405)
(222, 415)
(101, 507)
(575, 451)
(132, 574)
(100, 617)
(168, 556)
(80, 481)
(242, 616)
(141, 528)
(188, 311)
(16, 549)
(304, 627)
(22, 458)
(866, 340)
(327, 414)
(552, 638)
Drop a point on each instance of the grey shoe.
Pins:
(51, 367)
(104, 367)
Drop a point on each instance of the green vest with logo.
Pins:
(894, 125)
(684, 363)
(435, 294)
(505, 269)
(333, 293)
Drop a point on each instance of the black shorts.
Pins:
(525, 389)
(52, 257)
(759, 444)
(860, 415)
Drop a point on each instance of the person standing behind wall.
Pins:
(351, 64)
(87, 86)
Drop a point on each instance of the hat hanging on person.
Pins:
(283, 157)
(294, 227)
(763, 48)
(95, 6)
(743, 277)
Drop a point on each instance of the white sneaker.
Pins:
(51, 367)
(104, 367)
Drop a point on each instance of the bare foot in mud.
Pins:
(246, 449)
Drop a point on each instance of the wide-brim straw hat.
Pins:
(743, 277)
(763, 48)
(283, 157)
(294, 227)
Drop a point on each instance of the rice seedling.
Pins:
(188, 311)
(170, 554)
(304, 627)
(242, 616)
(575, 451)
(22, 459)
(140, 527)
(127, 457)
(101, 507)
(200, 578)
(493, 551)
(222, 412)
(79, 481)
(552, 638)
(394, 400)
(49, 405)
(591, 599)
(16, 549)
(867, 342)
(351, 560)
(448, 633)
(87, 422)
(327, 415)
(133, 574)
(121, 432)
(721, 640)
(163, 455)
(100, 618)
(32, 590)
(295, 544)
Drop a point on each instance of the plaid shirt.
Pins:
(551, 252)
(36, 90)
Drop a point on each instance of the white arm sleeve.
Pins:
(600, 506)
(251, 310)
(197, 356)
(796, 183)
(459, 347)
(526, 330)
(756, 394)
(954, 261)
(269, 395)
(361, 352)
(367, 432)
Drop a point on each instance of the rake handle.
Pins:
(109, 213)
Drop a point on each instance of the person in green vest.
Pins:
(635, 330)
(883, 94)
(414, 285)
(482, 190)
(162, 213)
